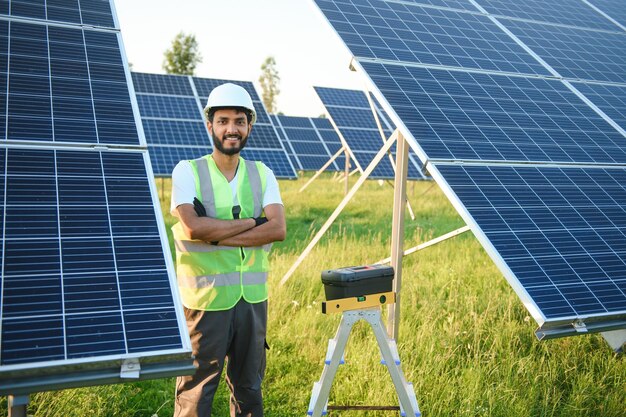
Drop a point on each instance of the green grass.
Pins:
(466, 341)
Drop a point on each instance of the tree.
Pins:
(183, 56)
(269, 83)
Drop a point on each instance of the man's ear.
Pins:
(209, 126)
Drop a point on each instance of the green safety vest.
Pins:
(212, 277)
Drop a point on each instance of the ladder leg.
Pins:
(389, 352)
(336, 347)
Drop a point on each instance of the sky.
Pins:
(235, 37)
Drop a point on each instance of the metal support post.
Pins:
(397, 232)
(17, 405)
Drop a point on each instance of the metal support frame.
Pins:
(397, 232)
(384, 138)
(381, 153)
(17, 405)
(431, 242)
(318, 405)
(616, 339)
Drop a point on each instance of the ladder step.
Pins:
(394, 352)
(408, 387)
(332, 344)
(317, 386)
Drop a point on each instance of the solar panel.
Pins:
(75, 74)
(560, 230)
(87, 278)
(173, 121)
(534, 169)
(351, 113)
(564, 12)
(574, 52)
(307, 143)
(377, 29)
(477, 116)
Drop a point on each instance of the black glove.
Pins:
(199, 207)
(259, 221)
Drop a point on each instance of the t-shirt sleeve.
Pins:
(272, 193)
(183, 186)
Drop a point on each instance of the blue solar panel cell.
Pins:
(87, 12)
(275, 159)
(96, 13)
(309, 148)
(302, 134)
(460, 115)
(168, 107)
(162, 84)
(183, 133)
(560, 230)
(263, 136)
(613, 8)
(611, 99)
(43, 342)
(453, 4)
(564, 12)
(410, 33)
(314, 163)
(575, 52)
(291, 121)
(165, 158)
(323, 123)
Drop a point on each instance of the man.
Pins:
(229, 212)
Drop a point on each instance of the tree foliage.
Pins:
(269, 80)
(183, 55)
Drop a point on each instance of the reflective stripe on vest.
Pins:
(215, 277)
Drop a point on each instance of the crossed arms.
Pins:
(239, 232)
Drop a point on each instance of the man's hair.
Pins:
(238, 109)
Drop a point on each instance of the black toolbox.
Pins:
(355, 281)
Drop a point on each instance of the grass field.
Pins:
(466, 341)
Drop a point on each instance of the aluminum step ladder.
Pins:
(318, 406)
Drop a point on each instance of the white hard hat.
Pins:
(230, 95)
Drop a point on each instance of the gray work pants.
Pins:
(237, 334)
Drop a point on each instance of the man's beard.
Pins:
(219, 144)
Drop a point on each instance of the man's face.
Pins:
(230, 130)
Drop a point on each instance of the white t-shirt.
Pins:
(184, 187)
